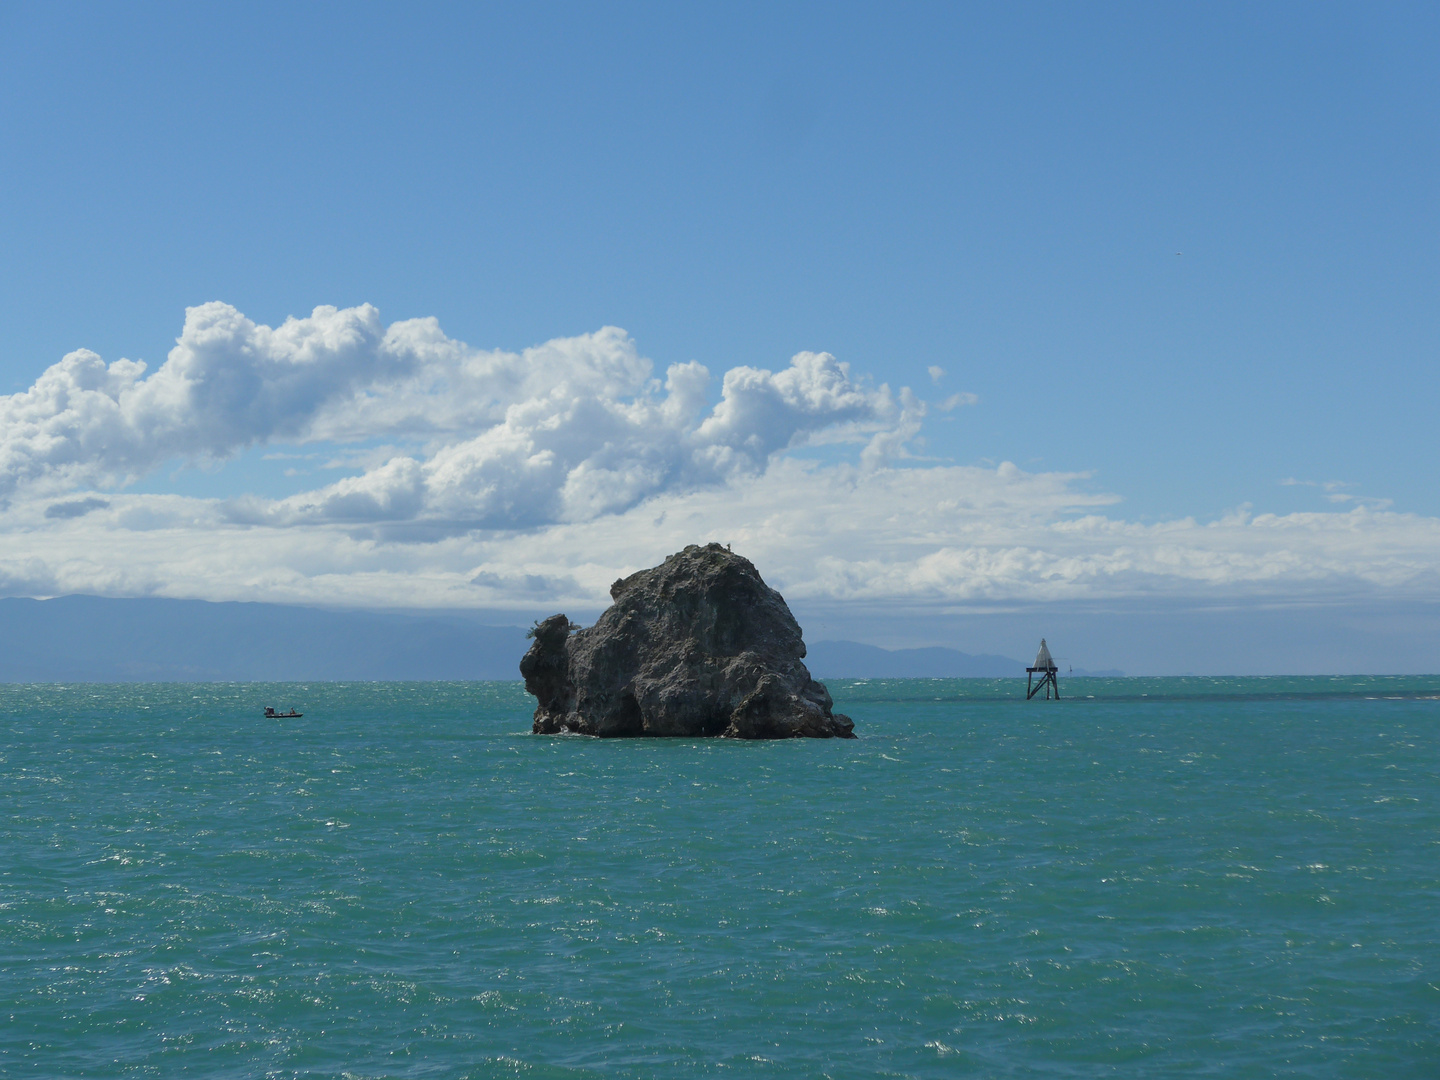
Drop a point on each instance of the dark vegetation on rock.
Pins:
(697, 646)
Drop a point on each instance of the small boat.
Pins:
(271, 714)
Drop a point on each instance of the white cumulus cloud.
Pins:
(566, 431)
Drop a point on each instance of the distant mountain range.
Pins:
(92, 639)
(96, 639)
(851, 660)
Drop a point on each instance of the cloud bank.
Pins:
(567, 431)
(535, 478)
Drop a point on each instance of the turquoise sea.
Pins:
(1152, 878)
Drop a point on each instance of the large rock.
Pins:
(697, 646)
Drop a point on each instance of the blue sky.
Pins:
(1179, 255)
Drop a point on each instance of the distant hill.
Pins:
(93, 639)
(851, 660)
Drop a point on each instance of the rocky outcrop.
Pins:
(698, 646)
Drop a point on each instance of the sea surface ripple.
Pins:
(1152, 877)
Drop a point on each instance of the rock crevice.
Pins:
(698, 646)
